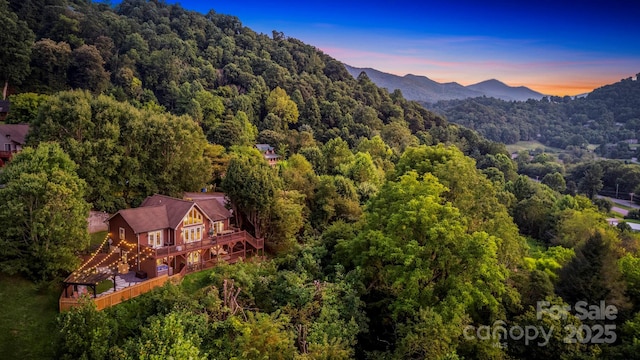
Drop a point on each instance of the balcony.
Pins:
(5, 154)
(220, 239)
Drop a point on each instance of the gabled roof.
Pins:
(177, 209)
(264, 147)
(144, 219)
(161, 212)
(15, 132)
(213, 209)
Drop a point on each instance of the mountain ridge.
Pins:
(423, 89)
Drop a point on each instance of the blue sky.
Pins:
(550, 46)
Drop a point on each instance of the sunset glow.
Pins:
(551, 47)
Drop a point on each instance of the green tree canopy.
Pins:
(419, 262)
(280, 104)
(251, 186)
(43, 219)
(16, 41)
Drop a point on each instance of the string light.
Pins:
(95, 253)
(81, 271)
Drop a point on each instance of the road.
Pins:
(621, 202)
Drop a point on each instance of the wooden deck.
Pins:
(7, 154)
(103, 302)
(224, 239)
(114, 298)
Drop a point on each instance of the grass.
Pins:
(196, 281)
(621, 206)
(103, 286)
(531, 145)
(96, 239)
(27, 319)
(631, 221)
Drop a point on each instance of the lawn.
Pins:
(531, 145)
(104, 286)
(96, 239)
(622, 206)
(27, 319)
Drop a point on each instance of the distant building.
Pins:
(12, 139)
(269, 153)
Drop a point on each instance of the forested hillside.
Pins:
(390, 233)
(608, 115)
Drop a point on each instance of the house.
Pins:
(12, 139)
(164, 235)
(269, 153)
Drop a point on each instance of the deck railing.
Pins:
(7, 154)
(108, 300)
(116, 297)
(221, 239)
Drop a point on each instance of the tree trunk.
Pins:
(4, 91)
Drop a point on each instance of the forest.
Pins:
(608, 117)
(391, 233)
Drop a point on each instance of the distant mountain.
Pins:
(607, 116)
(423, 89)
(500, 90)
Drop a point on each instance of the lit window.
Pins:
(122, 234)
(155, 239)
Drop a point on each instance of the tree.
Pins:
(25, 107)
(297, 174)
(336, 153)
(85, 332)
(593, 275)
(280, 104)
(124, 154)
(87, 69)
(251, 186)
(16, 40)
(591, 182)
(469, 191)
(43, 220)
(264, 335)
(555, 181)
(168, 337)
(286, 220)
(398, 136)
(50, 62)
(219, 159)
(419, 264)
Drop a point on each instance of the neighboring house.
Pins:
(269, 153)
(12, 139)
(166, 234)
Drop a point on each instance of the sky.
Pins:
(554, 47)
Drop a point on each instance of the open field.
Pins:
(531, 145)
(27, 319)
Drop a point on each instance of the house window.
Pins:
(7, 147)
(193, 217)
(218, 227)
(192, 234)
(121, 233)
(193, 258)
(155, 238)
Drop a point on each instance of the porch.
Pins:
(227, 238)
